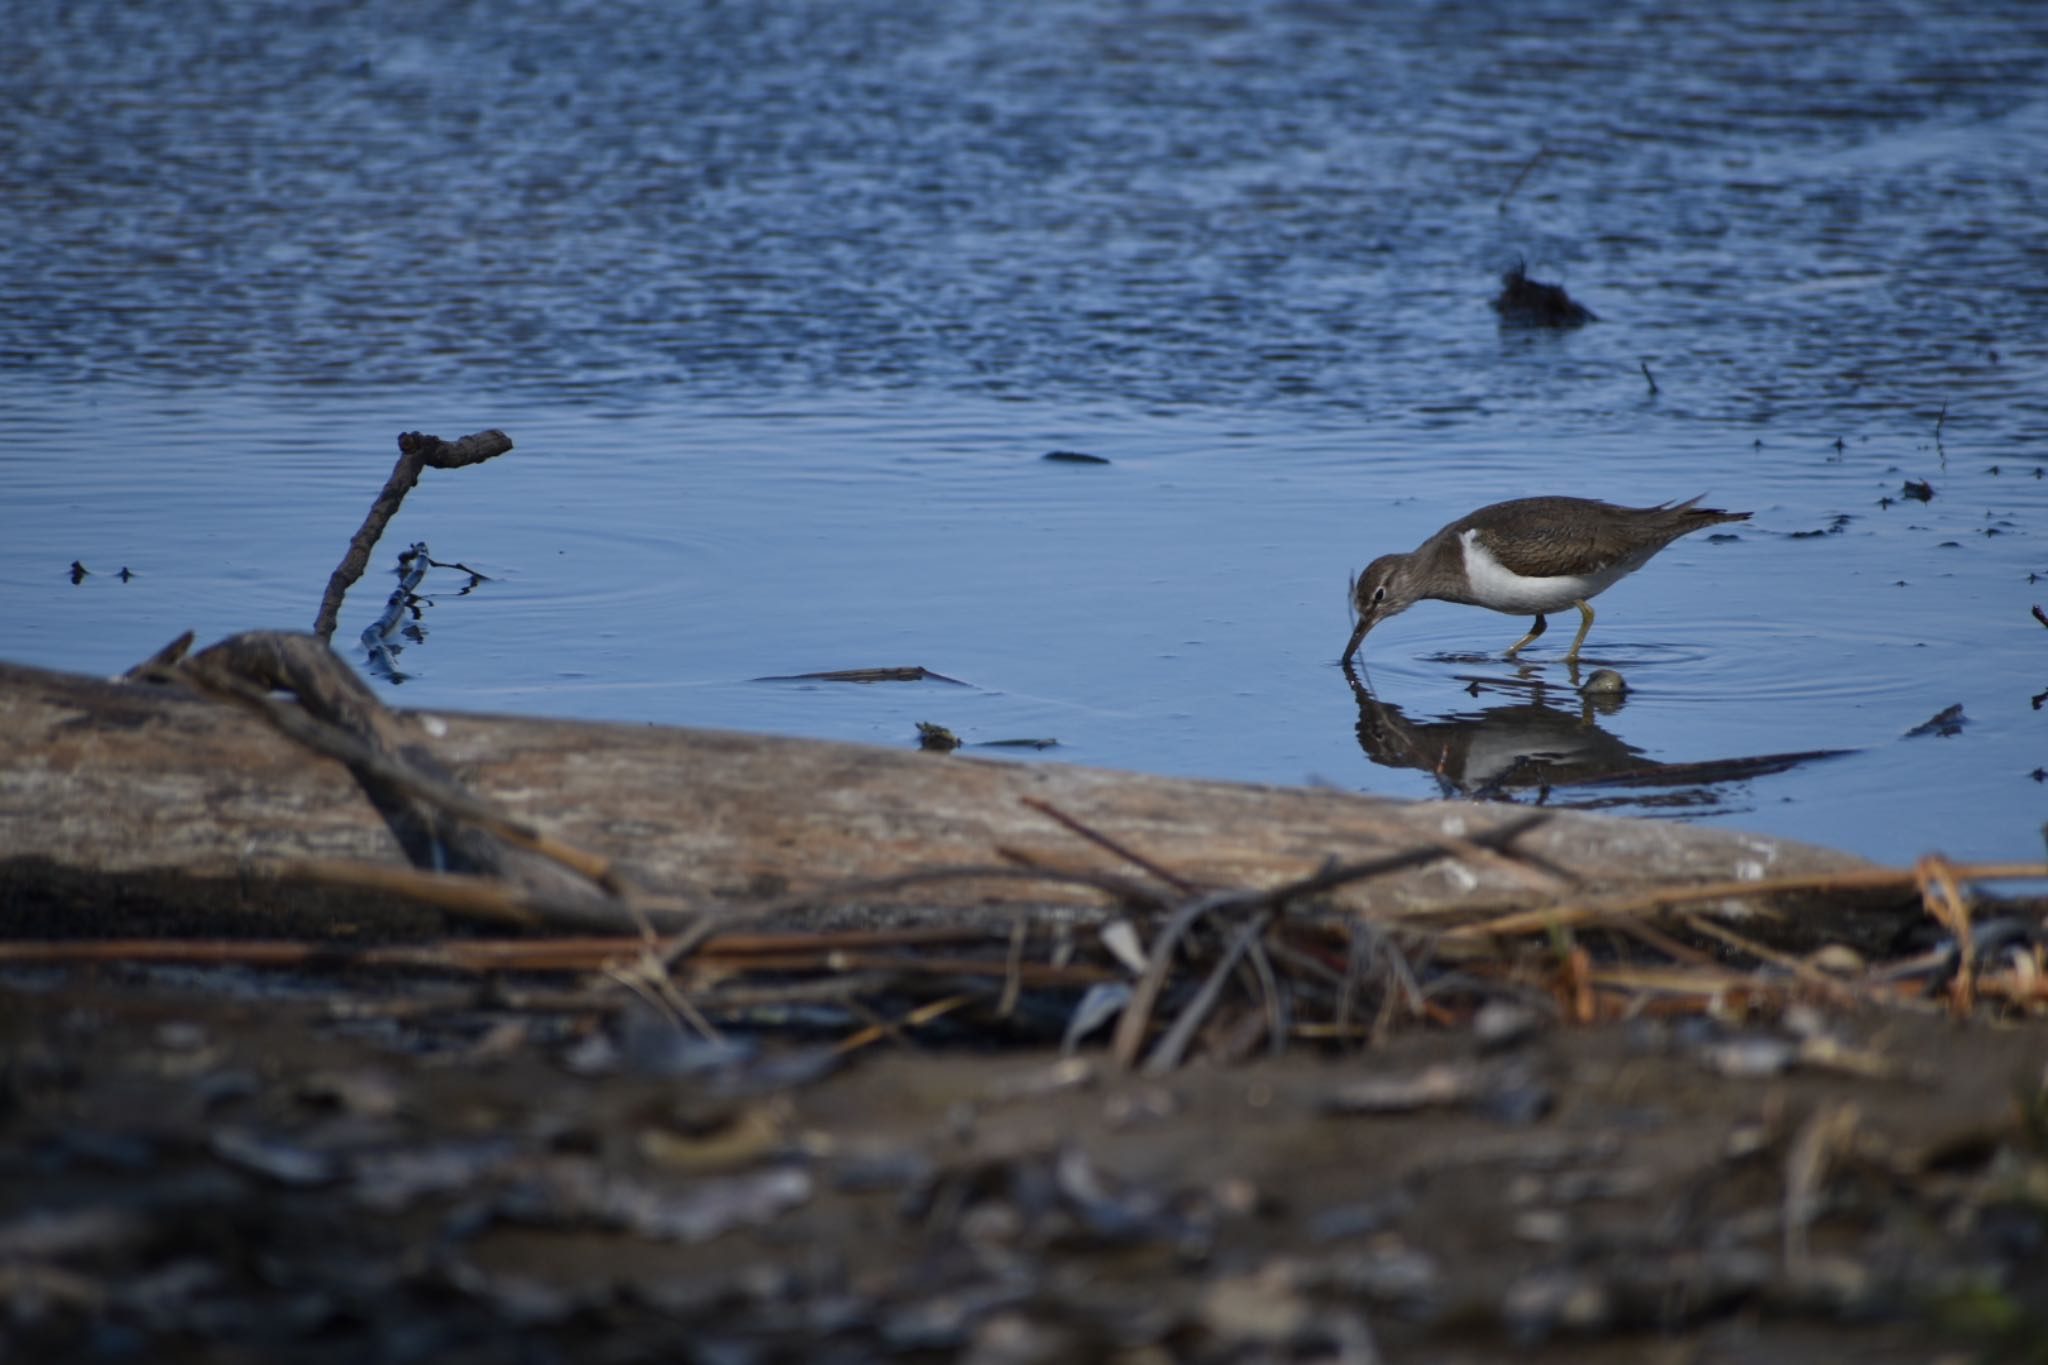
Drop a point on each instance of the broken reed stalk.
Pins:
(1128, 890)
(712, 922)
(1568, 916)
(1834, 987)
(1942, 897)
(843, 949)
(1166, 1053)
(652, 987)
(416, 453)
(923, 1014)
(489, 899)
(1274, 998)
(1137, 1014)
(1013, 980)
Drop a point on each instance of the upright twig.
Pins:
(416, 453)
(1521, 175)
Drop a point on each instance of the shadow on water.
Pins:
(1547, 740)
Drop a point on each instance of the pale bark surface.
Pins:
(122, 784)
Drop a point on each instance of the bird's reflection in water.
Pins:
(1544, 739)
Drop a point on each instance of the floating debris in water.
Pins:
(1834, 527)
(865, 675)
(1536, 304)
(1072, 457)
(1944, 723)
(1918, 489)
(941, 740)
(79, 572)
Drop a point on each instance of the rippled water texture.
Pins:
(783, 303)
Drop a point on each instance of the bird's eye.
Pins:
(1379, 595)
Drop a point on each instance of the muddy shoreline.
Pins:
(221, 1164)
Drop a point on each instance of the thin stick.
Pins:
(1522, 175)
(764, 951)
(1665, 944)
(1167, 1053)
(1330, 877)
(713, 923)
(1275, 998)
(1013, 983)
(1030, 973)
(1137, 1014)
(1805, 971)
(923, 1014)
(415, 454)
(1945, 906)
(1132, 892)
(1662, 898)
(454, 893)
(1095, 836)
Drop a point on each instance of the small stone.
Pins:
(1837, 958)
(1504, 1023)
(1546, 1227)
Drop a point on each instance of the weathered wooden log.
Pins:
(127, 808)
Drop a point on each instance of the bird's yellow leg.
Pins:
(1542, 624)
(1585, 624)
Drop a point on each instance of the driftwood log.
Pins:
(127, 808)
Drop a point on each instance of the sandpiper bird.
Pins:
(1534, 555)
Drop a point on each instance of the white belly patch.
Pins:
(1493, 586)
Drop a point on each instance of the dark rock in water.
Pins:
(1532, 303)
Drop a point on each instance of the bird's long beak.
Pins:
(1357, 633)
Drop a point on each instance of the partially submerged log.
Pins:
(126, 807)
